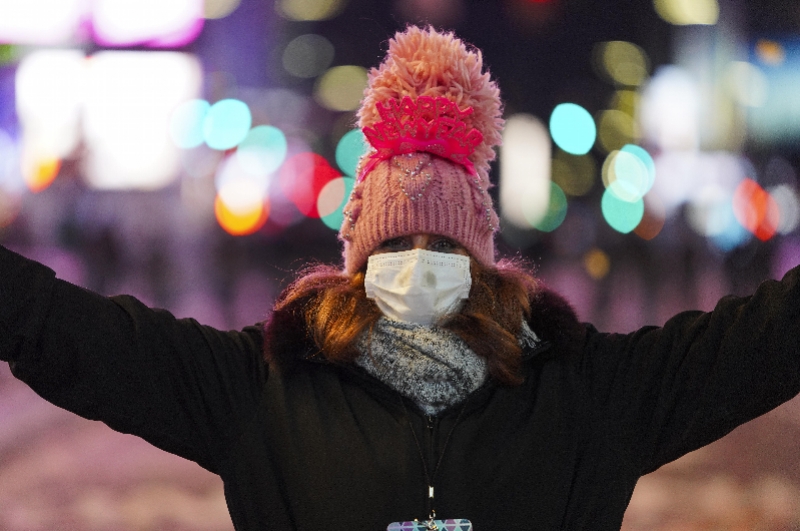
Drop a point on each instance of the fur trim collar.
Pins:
(287, 341)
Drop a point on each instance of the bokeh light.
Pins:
(308, 55)
(186, 124)
(240, 222)
(770, 52)
(213, 9)
(350, 148)
(574, 174)
(524, 170)
(263, 150)
(756, 210)
(40, 172)
(226, 124)
(597, 263)
(158, 23)
(555, 214)
(341, 87)
(331, 201)
(629, 173)
(240, 188)
(747, 84)
(43, 22)
(653, 218)
(302, 178)
(572, 128)
(788, 206)
(688, 12)
(623, 216)
(670, 110)
(50, 88)
(310, 10)
(622, 62)
(129, 103)
(626, 101)
(615, 129)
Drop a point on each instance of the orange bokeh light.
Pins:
(241, 223)
(756, 210)
(41, 173)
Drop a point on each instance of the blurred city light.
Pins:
(623, 216)
(351, 147)
(308, 55)
(226, 124)
(555, 213)
(616, 129)
(788, 203)
(688, 12)
(670, 110)
(756, 210)
(50, 87)
(310, 10)
(773, 116)
(331, 201)
(770, 52)
(572, 128)
(219, 8)
(747, 84)
(240, 222)
(43, 22)
(263, 150)
(186, 123)
(158, 23)
(653, 218)
(524, 171)
(302, 178)
(341, 88)
(629, 173)
(597, 263)
(574, 174)
(129, 103)
(622, 62)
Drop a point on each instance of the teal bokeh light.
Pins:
(623, 216)
(226, 124)
(263, 150)
(556, 210)
(349, 150)
(334, 219)
(186, 124)
(573, 128)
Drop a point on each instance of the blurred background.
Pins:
(196, 153)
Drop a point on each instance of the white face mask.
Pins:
(418, 286)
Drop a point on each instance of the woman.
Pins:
(425, 385)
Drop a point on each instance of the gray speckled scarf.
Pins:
(433, 367)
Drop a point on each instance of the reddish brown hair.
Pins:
(337, 311)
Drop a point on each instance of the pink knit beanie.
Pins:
(433, 118)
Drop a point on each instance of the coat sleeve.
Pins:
(672, 389)
(184, 387)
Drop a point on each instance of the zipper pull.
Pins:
(430, 422)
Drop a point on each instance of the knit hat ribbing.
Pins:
(413, 190)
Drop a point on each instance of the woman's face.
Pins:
(430, 242)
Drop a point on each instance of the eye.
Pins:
(402, 243)
(445, 245)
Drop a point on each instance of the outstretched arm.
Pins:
(184, 387)
(675, 388)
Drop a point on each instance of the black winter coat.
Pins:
(302, 444)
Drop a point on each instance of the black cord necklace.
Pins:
(431, 523)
